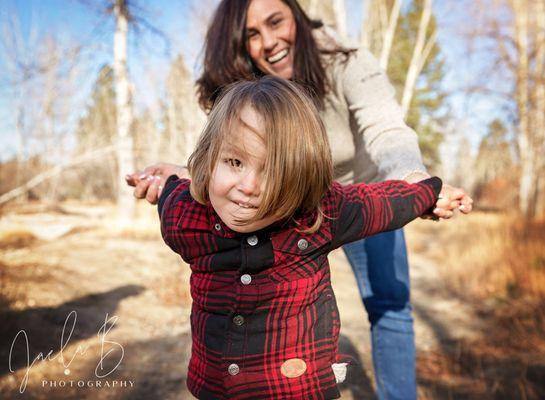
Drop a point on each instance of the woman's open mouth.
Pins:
(278, 56)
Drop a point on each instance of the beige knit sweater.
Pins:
(368, 137)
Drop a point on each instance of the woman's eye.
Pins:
(276, 22)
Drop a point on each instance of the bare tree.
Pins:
(185, 118)
(125, 158)
(41, 72)
(421, 51)
(516, 28)
(389, 35)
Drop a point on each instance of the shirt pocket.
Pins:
(299, 255)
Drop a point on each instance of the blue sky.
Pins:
(73, 21)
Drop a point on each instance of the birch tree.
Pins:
(421, 51)
(126, 202)
(388, 36)
(517, 29)
(185, 118)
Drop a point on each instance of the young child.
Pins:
(256, 223)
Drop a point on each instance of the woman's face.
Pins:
(270, 33)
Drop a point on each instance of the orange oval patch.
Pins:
(293, 368)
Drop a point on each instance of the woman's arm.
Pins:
(390, 144)
(385, 139)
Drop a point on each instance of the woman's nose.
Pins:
(269, 40)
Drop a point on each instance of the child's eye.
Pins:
(233, 162)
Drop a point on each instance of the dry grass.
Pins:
(489, 256)
(16, 239)
(496, 262)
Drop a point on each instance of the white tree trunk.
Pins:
(125, 159)
(389, 35)
(540, 106)
(524, 139)
(419, 56)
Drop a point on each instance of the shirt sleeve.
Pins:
(171, 205)
(367, 209)
(384, 137)
(170, 184)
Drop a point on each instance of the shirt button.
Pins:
(233, 369)
(246, 279)
(252, 240)
(302, 244)
(238, 320)
(217, 227)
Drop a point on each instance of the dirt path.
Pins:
(54, 264)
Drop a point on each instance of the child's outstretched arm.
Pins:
(170, 206)
(368, 209)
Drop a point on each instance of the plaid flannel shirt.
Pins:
(264, 299)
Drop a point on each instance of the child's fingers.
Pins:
(443, 213)
(443, 202)
(454, 205)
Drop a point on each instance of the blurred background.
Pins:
(91, 90)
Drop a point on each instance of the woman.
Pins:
(369, 142)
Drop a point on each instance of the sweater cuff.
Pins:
(415, 176)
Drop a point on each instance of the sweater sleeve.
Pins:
(367, 209)
(383, 135)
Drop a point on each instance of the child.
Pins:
(256, 224)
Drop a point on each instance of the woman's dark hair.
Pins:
(226, 59)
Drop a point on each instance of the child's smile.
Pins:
(236, 184)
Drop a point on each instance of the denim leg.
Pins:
(382, 272)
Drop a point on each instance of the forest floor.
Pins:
(121, 297)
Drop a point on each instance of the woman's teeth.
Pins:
(278, 56)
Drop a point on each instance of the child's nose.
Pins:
(250, 184)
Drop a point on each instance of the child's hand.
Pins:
(149, 183)
(450, 200)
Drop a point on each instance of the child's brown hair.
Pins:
(298, 167)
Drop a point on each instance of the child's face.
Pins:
(236, 184)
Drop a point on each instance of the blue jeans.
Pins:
(382, 272)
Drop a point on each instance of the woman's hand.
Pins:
(450, 199)
(149, 183)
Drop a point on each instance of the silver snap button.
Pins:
(233, 369)
(238, 320)
(246, 279)
(302, 244)
(217, 227)
(252, 240)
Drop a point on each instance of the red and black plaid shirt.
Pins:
(265, 298)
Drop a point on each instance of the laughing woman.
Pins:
(369, 142)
